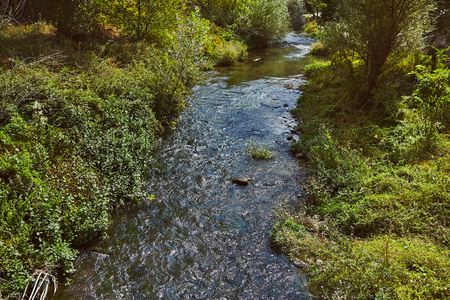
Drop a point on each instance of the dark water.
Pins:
(203, 237)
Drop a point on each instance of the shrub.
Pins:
(229, 53)
(50, 199)
(375, 221)
(318, 48)
(76, 140)
(431, 97)
(267, 21)
(311, 28)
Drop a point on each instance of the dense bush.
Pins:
(67, 156)
(259, 22)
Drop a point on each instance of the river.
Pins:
(203, 237)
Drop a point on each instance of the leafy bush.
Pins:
(76, 140)
(229, 53)
(311, 28)
(431, 97)
(51, 199)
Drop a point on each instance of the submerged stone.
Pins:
(241, 181)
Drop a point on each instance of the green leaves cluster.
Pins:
(258, 22)
(142, 19)
(75, 142)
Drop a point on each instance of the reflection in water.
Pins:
(203, 237)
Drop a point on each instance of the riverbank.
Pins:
(375, 219)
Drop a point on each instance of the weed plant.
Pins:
(257, 150)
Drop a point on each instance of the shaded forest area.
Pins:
(375, 121)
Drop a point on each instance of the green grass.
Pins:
(382, 267)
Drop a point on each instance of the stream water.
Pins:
(203, 237)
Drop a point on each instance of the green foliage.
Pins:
(74, 18)
(431, 97)
(230, 53)
(383, 267)
(265, 21)
(76, 138)
(296, 11)
(318, 48)
(224, 13)
(376, 221)
(142, 19)
(315, 66)
(49, 200)
(311, 28)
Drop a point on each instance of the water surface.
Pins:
(203, 237)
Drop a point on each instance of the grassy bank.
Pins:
(375, 223)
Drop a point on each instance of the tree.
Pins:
(142, 19)
(377, 33)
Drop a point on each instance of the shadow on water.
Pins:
(203, 237)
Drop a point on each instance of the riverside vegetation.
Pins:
(375, 120)
(86, 90)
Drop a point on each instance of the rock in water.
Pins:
(241, 181)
